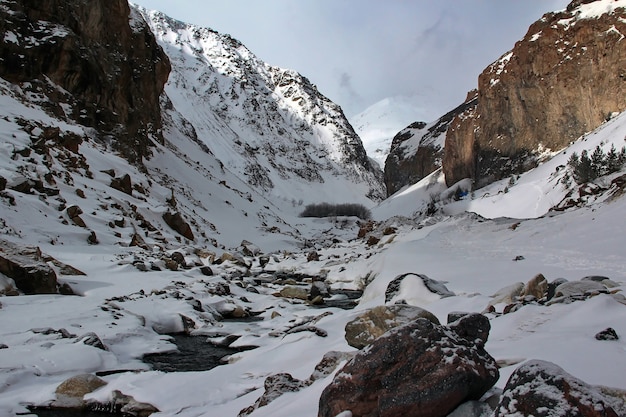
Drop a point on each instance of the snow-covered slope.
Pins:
(379, 123)
(269, 126)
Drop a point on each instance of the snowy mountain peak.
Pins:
(268, 125)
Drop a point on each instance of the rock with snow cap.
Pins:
(543, 389)
(420, 368)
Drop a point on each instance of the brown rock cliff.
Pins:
(562, 80)
(100, 53)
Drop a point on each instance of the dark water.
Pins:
(194, 354)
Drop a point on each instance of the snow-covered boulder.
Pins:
(420, 368)
(543, 389)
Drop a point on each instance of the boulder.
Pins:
(607, 334)
(420, 369)
(472, 327)
(508, 294)
(434, 287)
(275, 386)
(123, 184)
(293, 291)
(543, 389)
(178, 224)
(472, 409)
(578, 288)
(372, 324)
(92, 339)
(27, 268)
(552, 287)
(249, 248)
(537, 287)
(70, 393)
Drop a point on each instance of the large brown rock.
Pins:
(178, 223)
(104, 57)
(564, 78)
(543, 389)
(419, 369)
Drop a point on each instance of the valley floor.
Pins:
(128, 309)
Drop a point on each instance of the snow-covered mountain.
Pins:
(379, 123)
(270, 126)
(153, 248)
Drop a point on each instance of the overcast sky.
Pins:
(358, 52)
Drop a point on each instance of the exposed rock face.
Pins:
(419, 369)
(562, 80)
(69, 43)
(543, 389)
(417, 151)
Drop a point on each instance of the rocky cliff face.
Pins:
(417, 150)
(106, 62)
(565, 78)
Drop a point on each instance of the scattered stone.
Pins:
(92, 239)
(178, 224)
(124, 405)
(70, 393)
(275, 314)
(206, 270)
(307, 328)
(123, 184)
(292, 291)
(275, 386)
(518, 258)
(318, 289)
(372, 324)
(435, 287)
(507, 294)
(365, 228)
(607, 334)
(179, 258)
(80, 193)
(138, 241)
(372, 240)
(264, 260)
(420, 368)
(313, 256)
(543, 389)
(171, 264)
(92, 339)
(537, 287)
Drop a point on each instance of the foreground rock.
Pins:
(543, 389)
(419, 369)
(372, 324)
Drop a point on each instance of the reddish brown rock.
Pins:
(543, 389)
(562, 80)
(419, 369)
(178, 223)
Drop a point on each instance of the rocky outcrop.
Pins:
(417, 150)
(543, 389)
(562, 80)
(417, 369)
(104, 58)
